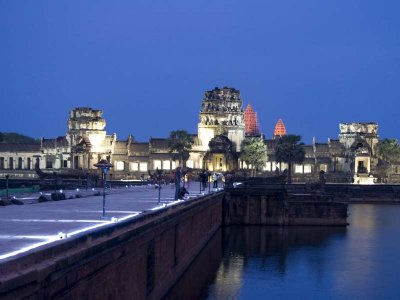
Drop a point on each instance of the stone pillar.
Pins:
(369, 165)
(355, 165)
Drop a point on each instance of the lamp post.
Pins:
(159, 193)
(55, 184)
(158, 178)
(7, 176)
(104, 166)
(200, 178)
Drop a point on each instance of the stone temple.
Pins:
(221, 114)
(221, 130)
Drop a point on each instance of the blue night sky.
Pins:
(147, 63)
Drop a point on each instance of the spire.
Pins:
(280, 129)
(251, 121)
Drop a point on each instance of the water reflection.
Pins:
(259, 251)
(255, 262)
(370, 254)
(194, 283)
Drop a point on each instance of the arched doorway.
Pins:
(220, 156)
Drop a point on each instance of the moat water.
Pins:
(361, 261)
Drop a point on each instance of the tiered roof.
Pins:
(251, 121)
(280, 129)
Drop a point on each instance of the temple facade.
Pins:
(221, 129)
(221, 114)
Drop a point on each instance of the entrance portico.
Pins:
(220, 157)
(362, 164)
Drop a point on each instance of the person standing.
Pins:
(215, 181)
(204, 177)
(220, 180)
(178, 179)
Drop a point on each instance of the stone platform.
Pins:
(26, 227)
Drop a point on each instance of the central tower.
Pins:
(86, 135)
(221, 114)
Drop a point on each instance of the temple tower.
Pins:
(360, 140)
(86, 134)
(351, 133)
(280, 129)
(221, 114)
(251, 122)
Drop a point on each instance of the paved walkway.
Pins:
(26, 227)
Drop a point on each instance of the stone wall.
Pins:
(260, 206)
(196, 279)
(136, 259)
(354, 193)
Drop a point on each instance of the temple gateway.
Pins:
(223, 125)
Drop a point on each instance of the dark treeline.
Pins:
(16, 138)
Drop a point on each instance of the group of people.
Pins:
(217, 179)
(180, 190)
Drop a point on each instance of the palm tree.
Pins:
(290, 151)
(254, 153)
(180, 142)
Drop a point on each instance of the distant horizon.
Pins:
(152, 136)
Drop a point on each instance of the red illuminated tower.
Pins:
(251, 121)
(280, 129)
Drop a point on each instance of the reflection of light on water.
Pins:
(363, 215)
(357, 272)
(229, 279)
(357, 262)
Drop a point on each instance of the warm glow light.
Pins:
(119, 165)
(143, 166)
(97, 140)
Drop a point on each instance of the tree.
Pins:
(16, 138)
(388, 153)
(388, 150)
(290, 151)
(254, 153)
(180, 142)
